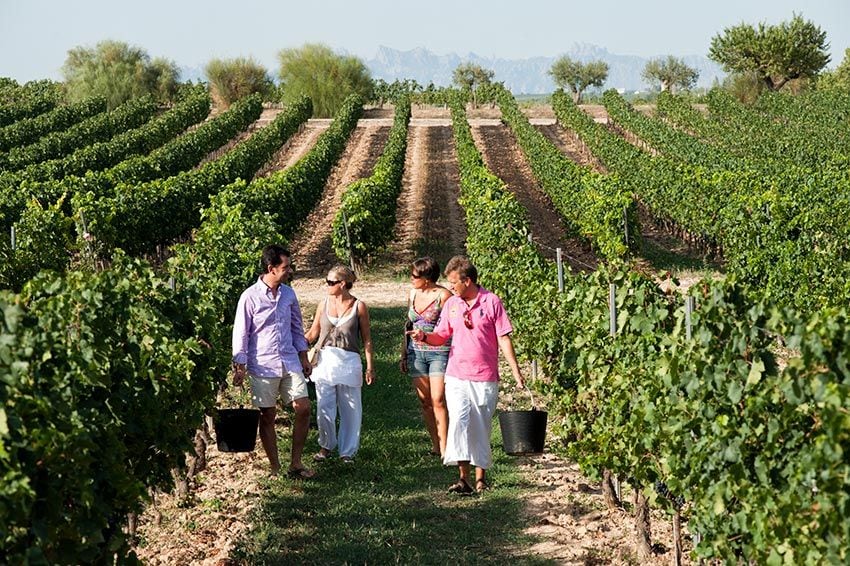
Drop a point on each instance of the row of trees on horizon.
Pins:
(789, 56)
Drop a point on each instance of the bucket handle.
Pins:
(530, 394)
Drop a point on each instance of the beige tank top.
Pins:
(345, 334)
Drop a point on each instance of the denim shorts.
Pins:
(427, 363)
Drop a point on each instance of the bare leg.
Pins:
(481, 480)
(463, 468)
(423, 391)
(269, 438)
(441, 413)
(299, 430)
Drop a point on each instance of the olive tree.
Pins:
(469, 77)
(577, 76)
(232, 79)
(118, 72)
(327, 78)
(670, 73)
(777, 54)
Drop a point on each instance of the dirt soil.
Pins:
(566, 511)
(295, 148)
(429, 216)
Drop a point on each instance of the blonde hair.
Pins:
(344, 273)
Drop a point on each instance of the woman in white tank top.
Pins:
(340, 326)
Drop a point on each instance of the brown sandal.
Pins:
(300, 474)
(461, 487)
(481, 486)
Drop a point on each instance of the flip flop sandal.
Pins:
(461, 487)
(300, 474)
(481, 486)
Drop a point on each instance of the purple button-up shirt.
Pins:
(267, 331)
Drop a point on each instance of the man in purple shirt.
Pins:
(269, 346)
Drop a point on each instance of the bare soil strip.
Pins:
(216, 153)
(571, 146)
(294, 149)
(266, 116)
(429, 220)
(504, 158)
(311, 246)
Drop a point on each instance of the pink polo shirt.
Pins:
(474, 355)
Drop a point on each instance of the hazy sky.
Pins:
(35, 35)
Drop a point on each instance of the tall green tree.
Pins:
(577, 76)
(470, 77)
(777, 54)
(670, 73)
(327, 78)
(118, 72)
(232, 79)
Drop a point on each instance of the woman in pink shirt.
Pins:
(476, 321)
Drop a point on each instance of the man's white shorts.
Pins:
(266, 390)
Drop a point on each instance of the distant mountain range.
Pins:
(525, 76)
(521, 76)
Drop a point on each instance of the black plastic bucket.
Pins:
(236, 429)
(523, 432)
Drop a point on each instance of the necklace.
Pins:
(340, 307)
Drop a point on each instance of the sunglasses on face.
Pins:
(467, 319)
(331, 282)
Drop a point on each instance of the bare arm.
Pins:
(315, 328)
(366, 336)
(507, 348)
(429, 338)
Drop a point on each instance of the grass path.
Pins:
(391, 506)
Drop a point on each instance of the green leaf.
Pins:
(756, 371)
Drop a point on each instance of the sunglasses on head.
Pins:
(467, 319)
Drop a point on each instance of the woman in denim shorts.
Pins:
(426, 364)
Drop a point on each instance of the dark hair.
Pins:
(427, 267)
(271, 256)
(463, 267)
